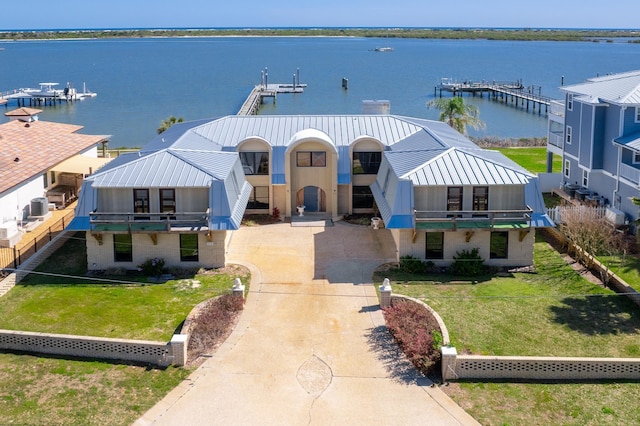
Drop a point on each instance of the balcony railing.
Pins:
(474, 219)
(148, 222)
(556, 139)
(556, 108)
(630, 173)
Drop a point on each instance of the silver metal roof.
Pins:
(623, 88)
(461, 167)
(167, 168)
(281, 130)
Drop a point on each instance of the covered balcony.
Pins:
(148, 222)
(474, 220)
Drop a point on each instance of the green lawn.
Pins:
(44, 390)
(141, 311)
(533, 159)
(555, 312)
(38, 391)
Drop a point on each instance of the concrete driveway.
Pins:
(311, 347)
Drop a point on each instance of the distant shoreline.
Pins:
(526, 34)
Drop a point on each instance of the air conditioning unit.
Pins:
(8, 229)
(614, 216)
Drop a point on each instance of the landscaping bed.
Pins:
(554, 312)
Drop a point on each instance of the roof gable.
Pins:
(462, 167)
(167, 168)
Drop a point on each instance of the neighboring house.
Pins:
(39, 159)
(597, 132)
(435, 190)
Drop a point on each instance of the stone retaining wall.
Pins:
(138, 351)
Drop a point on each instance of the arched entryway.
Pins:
(313, 198)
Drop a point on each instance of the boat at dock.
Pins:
(48, 90)
(46, 94)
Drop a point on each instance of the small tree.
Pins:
(589, 235)
(168, 123)
(457, 114)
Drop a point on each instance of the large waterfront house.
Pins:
(596, 131)
(42, 165)
(184, 193)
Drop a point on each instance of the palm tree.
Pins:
(456, 114)
(168, 123)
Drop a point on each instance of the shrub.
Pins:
(413, 265)
(213, 323)
(152, 267)
(416, 331)
(468, 263)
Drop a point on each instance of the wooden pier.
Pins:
(263, 91)
(508, 92)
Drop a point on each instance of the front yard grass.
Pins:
(555, 312)
(44, 390)
(39, 390)
(135, 310)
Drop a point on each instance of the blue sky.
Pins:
(46, 14)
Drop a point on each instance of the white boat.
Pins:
(46, 90)
(85, 93)
(384, 49)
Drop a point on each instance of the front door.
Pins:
(311, 198)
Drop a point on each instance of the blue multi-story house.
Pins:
(596, 131)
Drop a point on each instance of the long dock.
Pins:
(513, 92)
(263, 91)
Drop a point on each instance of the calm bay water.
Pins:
(140, 82)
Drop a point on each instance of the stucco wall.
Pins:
(211, 253)
(519, 254)
(15, 204)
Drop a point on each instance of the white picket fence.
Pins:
(555, 213)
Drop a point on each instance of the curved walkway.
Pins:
(311, 347)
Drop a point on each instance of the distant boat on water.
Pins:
(384, 49)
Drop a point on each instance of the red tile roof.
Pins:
(23, 112)
(30, 149)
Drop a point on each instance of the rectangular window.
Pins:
(636, 158)
(568, 135)
(585, 178)
(454, 198)
(570, 101)
(362, 197)
(259, 198)
(311, 159)
(637, 114)
(435, 245)
(122, 248)
(167, 200)
(45, 178)
(188, 247)
(53, 177)
(567, 168)
(255, 163)
(499, 245)
(481, 198)
(141, 201)
(366, 163)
